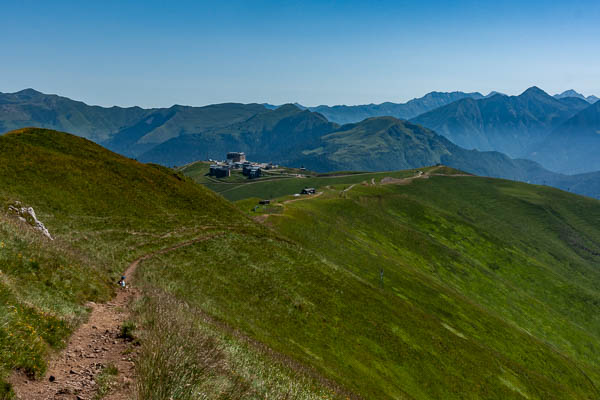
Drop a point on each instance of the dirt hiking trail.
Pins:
(420, 175)
(96, 344)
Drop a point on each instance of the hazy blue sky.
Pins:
(157, 53)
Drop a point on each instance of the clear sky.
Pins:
(159, 53)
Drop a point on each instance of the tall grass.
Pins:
(175, 358)
(43, 286)
(6, 392)
(184, 355)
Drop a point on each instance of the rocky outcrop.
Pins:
(27, 214)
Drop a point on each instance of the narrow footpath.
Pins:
(96, 344)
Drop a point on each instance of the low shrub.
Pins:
(127, 331)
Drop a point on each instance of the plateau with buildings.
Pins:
(237, 161)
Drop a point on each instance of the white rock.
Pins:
(23, 212)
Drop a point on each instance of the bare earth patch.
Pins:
(95, 345)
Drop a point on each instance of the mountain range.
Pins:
(300, 138)
(509, 124)
(573, 146)
(572, 93)
(559, 133)
(271, 135)
(291, 136)
(343, 114)
(385, 143)
(129, 131)
(32, 108)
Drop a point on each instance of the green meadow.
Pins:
(104, 211)
(446, 287)
(271, 186)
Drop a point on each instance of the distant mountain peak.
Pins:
(28, 92)
(300, 106)
(289, 107)
(534, 91)
(436, 94)
(572, 93)
(494, 93)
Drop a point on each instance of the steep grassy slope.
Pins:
(43, 288)
(92, 201)
(105, 210)
(488, 260)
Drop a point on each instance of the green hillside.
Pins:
(103, 211)
(95, 204)
(507, 268)
(280, 182)
(490, 287)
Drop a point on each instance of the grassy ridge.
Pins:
(96, 205)
(525, 254)
(111, 206)
(104, 211)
